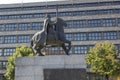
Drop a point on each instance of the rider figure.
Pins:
(50, 28)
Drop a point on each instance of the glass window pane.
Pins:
(37, 26)
(23, 39)
(110, 35)
(95, 36)
(109, 22)
(94, 23)
(10, 39)
(80, 36)
(11, 27)
(24, 26)
(9, 51)
(80, 49)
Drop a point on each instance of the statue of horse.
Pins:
(52, 35)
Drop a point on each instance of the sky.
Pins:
(21, 1)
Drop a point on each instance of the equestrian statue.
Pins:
(51, 35)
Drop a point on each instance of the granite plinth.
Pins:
(44, 67)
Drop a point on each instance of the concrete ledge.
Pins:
(32, 68)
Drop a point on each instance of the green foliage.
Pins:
(20, 52)
(103, 59)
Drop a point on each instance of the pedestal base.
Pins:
(53, 67)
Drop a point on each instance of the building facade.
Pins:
(88, 22)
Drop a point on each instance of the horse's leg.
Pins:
(39, 51)
(65, 49)
(34, 48)
(69, 45)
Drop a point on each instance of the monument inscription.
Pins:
(65, 74)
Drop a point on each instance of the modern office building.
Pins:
(88, 22)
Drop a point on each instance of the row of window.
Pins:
(113, 35)
(93, 23)
(90, 12)
(69, 36)
(7, 51)
(93, 36)
(70, 24)
(21, 26)
(72, 5)
(70, 13)
(79, 49)
(15, 39)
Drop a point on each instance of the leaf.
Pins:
(20, 52)
(103, 59)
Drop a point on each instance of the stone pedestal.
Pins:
(53, 67)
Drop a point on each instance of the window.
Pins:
(2, 27)
(26, 16)
(107, 11)
(109, 22)
(1, 52)
(52, 14)
(1, 40)
(11, 27)
(37, 26)
(69, 24)
(51, 6)
(68, 36)
(78, 24)
(80, 49)
(54, 50)
(94, 23)
(3, 64)
(90, 47)
(80, 13)
(4, 17)
(39, 15)
(23, 38)
(10, 39)
(118, 22)
(95, 36)
(92, 12)
(24, 26)
(13, 16)
(110, 35)
(117, 48)
(116, 10)
(65, 6)
(65, 13)
(8, 51)
(80, 36)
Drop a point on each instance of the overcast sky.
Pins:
(21, 1)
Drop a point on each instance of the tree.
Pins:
(103, 59)
(20, 52)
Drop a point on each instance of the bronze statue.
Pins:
(52, 34)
